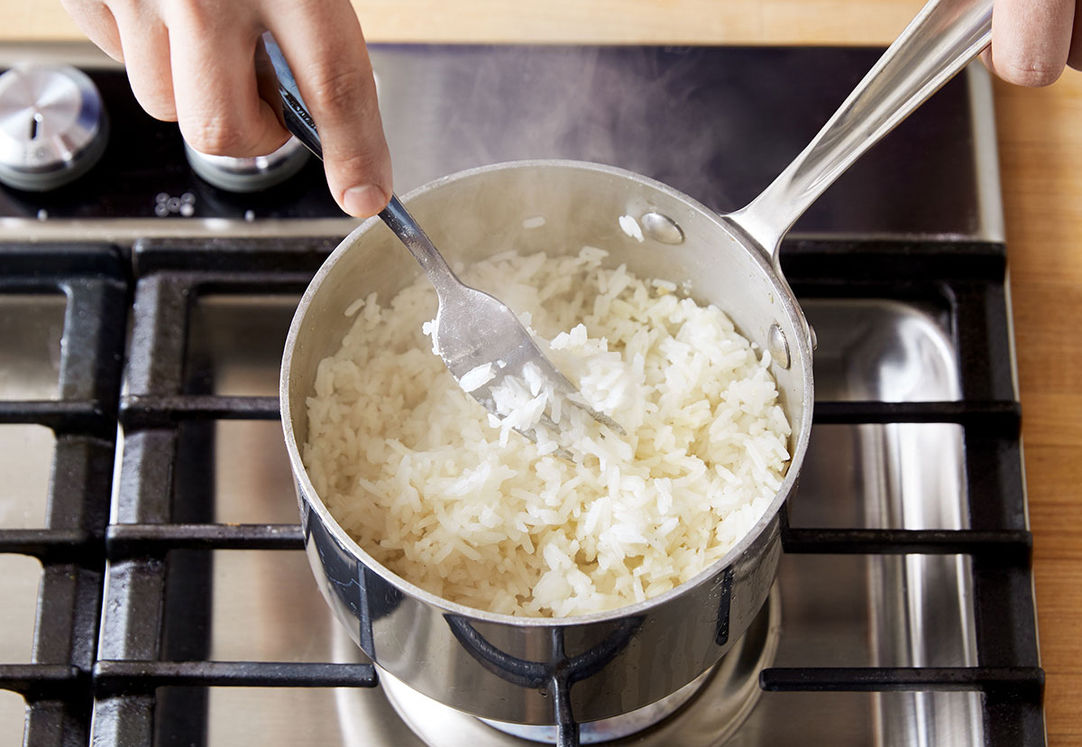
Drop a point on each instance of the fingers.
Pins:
(201, 64)
(218, 105)
(97, 22)
(325, 48)
(1031, 40)
(145, 48)
(1074, 56)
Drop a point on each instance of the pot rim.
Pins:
(801, 349)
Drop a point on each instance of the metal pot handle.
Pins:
(941, 40)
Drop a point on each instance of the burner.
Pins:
(706, 711)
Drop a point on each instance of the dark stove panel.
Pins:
(715, 122)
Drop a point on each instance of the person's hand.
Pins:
(200, 63)
(1032, 40)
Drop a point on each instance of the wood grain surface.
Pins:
(1040, 149)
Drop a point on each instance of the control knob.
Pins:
(52, 126)
(249, 174)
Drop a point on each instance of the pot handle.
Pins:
(941, 40)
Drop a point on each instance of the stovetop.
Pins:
(717, 123)
(154, 585)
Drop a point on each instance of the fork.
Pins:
(472, 328)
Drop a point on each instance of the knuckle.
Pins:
(338, 90)
(232, 136)
(216, 136)
(353, 136)
(130, 10)
(197, 15)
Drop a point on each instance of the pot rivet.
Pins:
(778, 345)
(814, 338)
(661, 228)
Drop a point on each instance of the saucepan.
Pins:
(558, 671)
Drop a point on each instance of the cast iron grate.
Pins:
(970, 277)
(152, 667)
(146, 678)
(56, 685)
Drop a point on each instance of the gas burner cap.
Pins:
(52, 126)
(249, 174)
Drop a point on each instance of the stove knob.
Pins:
(249, 174)
(52, 126)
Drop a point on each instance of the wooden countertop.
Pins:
(1040, 149)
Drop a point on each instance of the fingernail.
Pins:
(364, 201)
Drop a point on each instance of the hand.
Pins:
(199, 63)
(1032, 40)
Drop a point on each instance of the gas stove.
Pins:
(152, 570)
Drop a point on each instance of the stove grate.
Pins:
(57, 684)
(969, 277)
(155, 637)
(149, 667)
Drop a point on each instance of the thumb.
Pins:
(325, 48)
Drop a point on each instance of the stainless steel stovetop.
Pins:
(873, 635)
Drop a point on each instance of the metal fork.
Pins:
(472, 328)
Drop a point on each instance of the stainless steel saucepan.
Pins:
(558, 671)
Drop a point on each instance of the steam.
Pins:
(643, 109)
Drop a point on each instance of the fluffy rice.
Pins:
(414, 470)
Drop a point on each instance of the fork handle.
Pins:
(435, 266)
(299, 121)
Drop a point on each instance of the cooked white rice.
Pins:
(412, 468)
